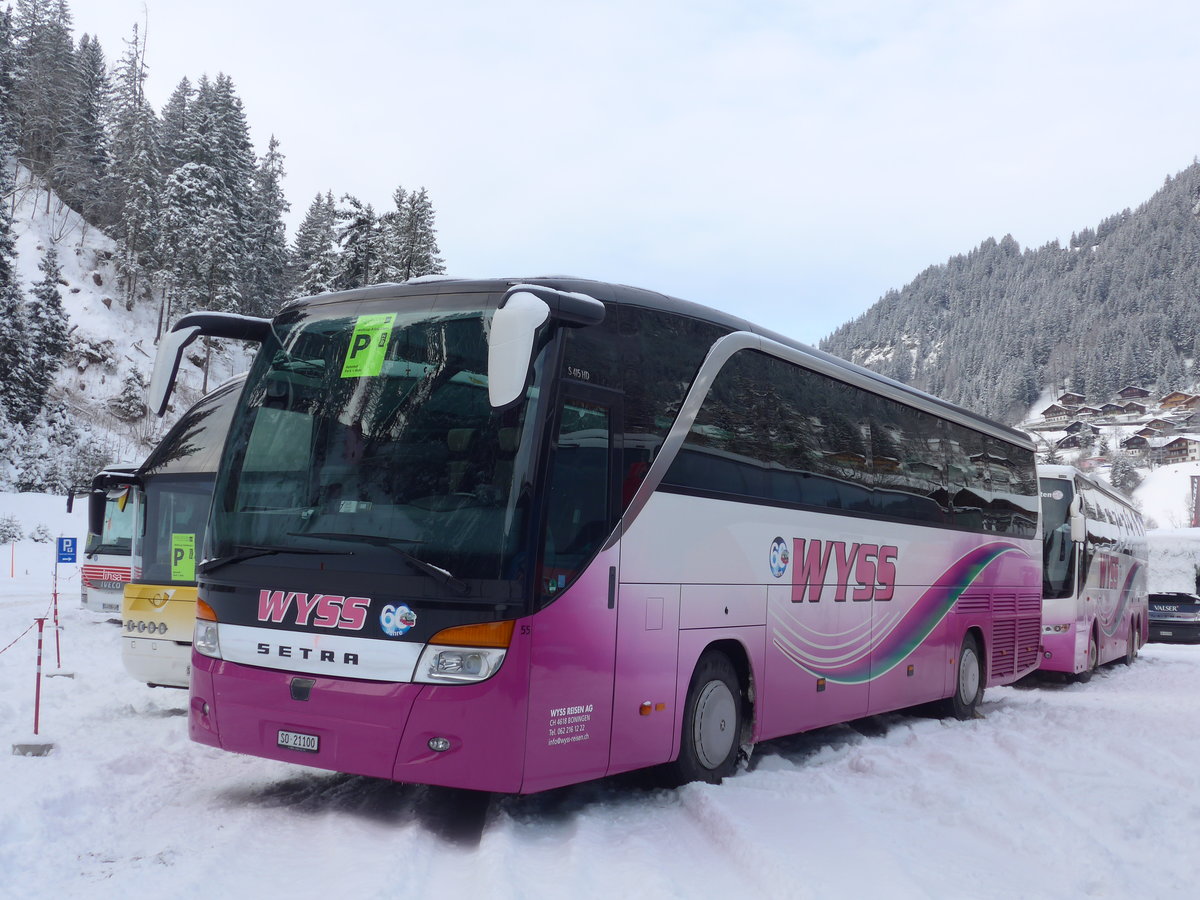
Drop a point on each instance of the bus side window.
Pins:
(577, 508)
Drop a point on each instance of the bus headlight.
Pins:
(457, 664)
(464, 654)
(205, 638)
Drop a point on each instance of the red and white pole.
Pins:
(37, 694)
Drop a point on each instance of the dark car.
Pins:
(1175, 618)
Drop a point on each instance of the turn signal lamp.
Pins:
(485, 634)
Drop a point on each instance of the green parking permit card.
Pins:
(368, 346)
(183, 557)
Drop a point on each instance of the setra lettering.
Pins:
(326, 656)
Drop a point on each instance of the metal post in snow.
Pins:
(37, 691)
(57, 645)
(35, 747)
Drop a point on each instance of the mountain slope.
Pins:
(989, 328)
(111, 336)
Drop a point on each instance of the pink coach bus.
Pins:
(1096, 608)
(514, 535)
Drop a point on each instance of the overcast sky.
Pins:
(785, 161)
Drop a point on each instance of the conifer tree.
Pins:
(176, 128)
(14, 386)
(8, 70)
(411, 238)
(312, 265)
(46, 329)
(85, 159)
(267, 253)
(358, 234)
(134, 172)
(45, 84)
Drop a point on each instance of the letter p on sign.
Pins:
(368, 346)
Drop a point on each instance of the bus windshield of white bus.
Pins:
(116, 532)
(1058, 553)
(368, 431)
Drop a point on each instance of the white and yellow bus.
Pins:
(172, 493)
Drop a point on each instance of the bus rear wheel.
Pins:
(1131, 647)
(968, 683)
(712, 723)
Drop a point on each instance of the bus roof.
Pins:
(1070, 473)
(166, 455)
(632, 296)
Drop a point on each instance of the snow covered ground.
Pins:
(1058, 791)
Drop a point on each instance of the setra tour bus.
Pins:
(105, 570)
(512, 535)
(172, 493)
(1095, 608)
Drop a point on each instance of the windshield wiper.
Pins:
(437, 573)
(251, 551)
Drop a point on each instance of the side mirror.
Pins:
(1078, 523)
(510, 345)
(186, 330)
(166, 367)
(524, 309)
(96, 511)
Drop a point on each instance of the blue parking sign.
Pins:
(66, 550)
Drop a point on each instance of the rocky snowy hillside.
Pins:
(112, 336)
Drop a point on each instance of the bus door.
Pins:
(573, 636)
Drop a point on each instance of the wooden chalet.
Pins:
(1133, 393)
(1179, 400)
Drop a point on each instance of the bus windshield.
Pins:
(366, 431)
(173, 513)
(1058, 556)
(117, 533)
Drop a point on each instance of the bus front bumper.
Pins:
(1061, 650)
(157, 661)
(467, 736)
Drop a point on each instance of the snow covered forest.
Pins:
(991, 328)
(157, 213)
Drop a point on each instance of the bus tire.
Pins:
(968, 682)
(712, 723)
(1093, 659)
(1131, 647)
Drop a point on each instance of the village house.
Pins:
(1133, 393)
(1056, 413)
(1179, 400)
(1184, 448)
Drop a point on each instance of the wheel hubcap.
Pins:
(968, 676)
(714, 724)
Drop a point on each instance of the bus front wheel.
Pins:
(968, 683)
(712, 723)
(1093, 659)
